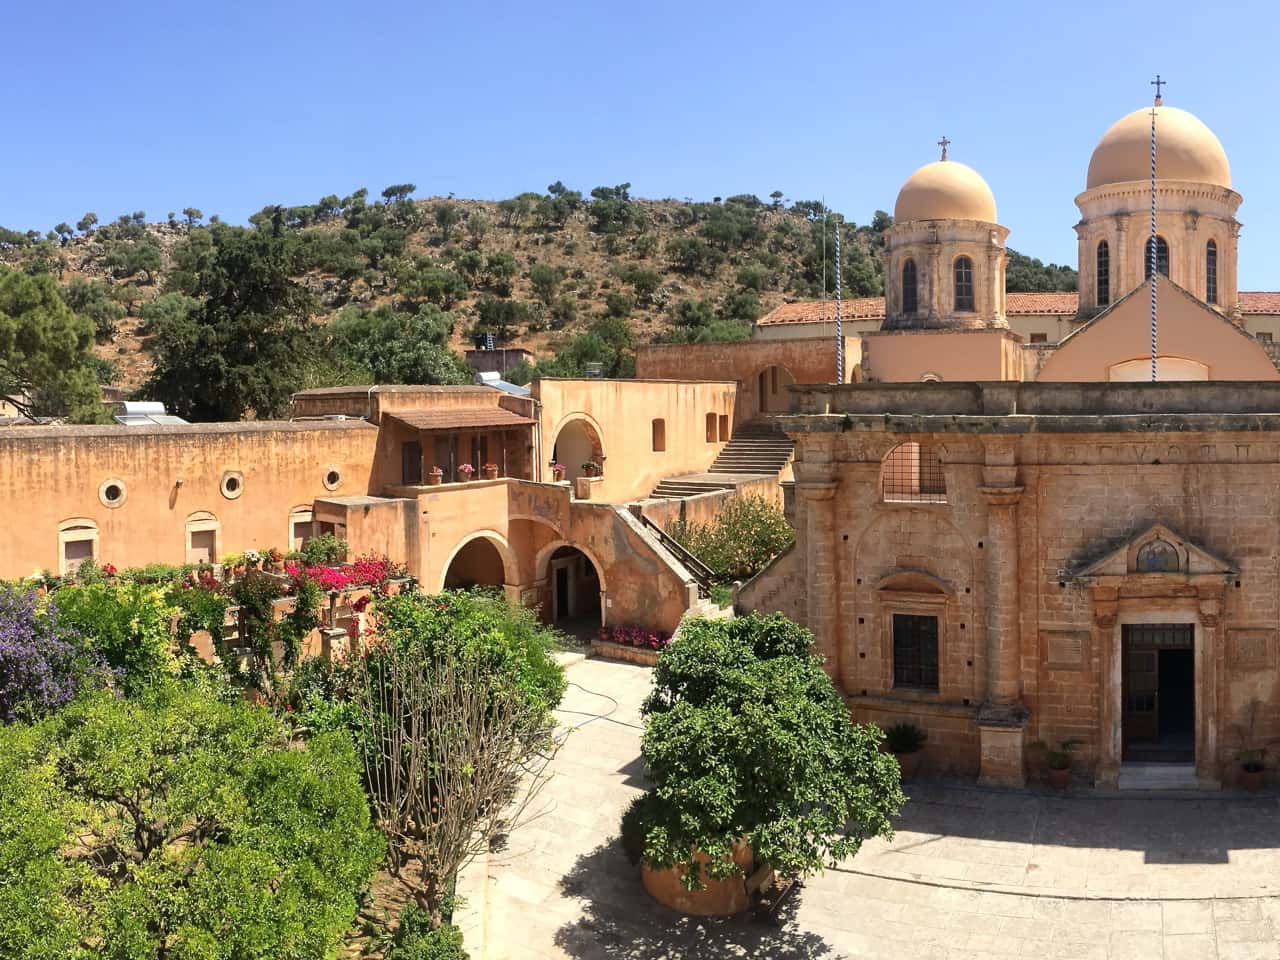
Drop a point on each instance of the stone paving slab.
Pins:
(970, 873)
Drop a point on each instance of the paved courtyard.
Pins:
(970, 873)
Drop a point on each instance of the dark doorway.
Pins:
(1158, 691)
(411, 462)
(562, 592)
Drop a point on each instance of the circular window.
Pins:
(332, 478)
(232, 484)
(112, 492)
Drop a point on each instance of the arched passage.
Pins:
(574, 586)
(478, 563)
(578, 442)
(771, 389)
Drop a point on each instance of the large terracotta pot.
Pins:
(718, 898)
(1059, 777)
(1251, 777)
(490, 473)
(910, 763)
(435, 477)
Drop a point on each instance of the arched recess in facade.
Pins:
(483, 559)
(575, 586)
(577, 441)
(771, 384)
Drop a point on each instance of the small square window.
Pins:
(1039, 338)
(659, 435)
(1264, 336)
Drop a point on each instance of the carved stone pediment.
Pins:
(1154, 551)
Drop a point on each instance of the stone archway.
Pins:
(479, 562)
(771, 389)
(575, 589)
(577, 442)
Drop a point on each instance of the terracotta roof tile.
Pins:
(1017, 304)
(462, 418)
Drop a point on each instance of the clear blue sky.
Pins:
(230, 105)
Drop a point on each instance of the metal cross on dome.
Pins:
(1158, 83)
(944, 143)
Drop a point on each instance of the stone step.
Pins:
(1158, 776)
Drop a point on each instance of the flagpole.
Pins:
(839, 328)
(1152, 259)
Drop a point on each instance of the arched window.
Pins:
(1104, 274)
(964, 285)
(910, 300)
(912, 472)
(1211, 272)
(202, 537)
(1162, 258)
(1158, 556)
(77, 543)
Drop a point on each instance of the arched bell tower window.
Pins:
(1211, 272)
(964, 285)
(1162, 258)
(1104, 274)
(910, 300)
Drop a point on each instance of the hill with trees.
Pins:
(221, 321)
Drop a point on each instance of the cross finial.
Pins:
(1158, 83)
(944, 143)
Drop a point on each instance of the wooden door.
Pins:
(1141, 721)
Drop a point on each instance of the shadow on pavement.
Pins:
(620, 921)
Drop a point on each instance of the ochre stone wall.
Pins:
(52, 475)
(621, 414)
(1030, 565)
(805, 360)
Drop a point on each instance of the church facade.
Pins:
(1016, 545)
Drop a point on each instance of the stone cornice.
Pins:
(1168, 188)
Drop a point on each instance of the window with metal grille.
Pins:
(912, 472)
(915, 651)
(1104, 274)
(1211, 272)
(910, 301)
(964, 285)
(1162, 257)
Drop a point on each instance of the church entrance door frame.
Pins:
(1139, 601)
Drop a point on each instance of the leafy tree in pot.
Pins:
(747, 738)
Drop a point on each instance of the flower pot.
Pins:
(435, 477)
(910, 763)
(1251, 776)
(719, 898)
(557, 474)
(1059, 777)
(490, 472)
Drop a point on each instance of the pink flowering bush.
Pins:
(635, 637)
(330, 579)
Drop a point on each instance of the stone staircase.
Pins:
(758, 448)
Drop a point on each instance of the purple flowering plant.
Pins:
(44, 663)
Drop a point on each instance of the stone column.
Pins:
(1210, 667)
(993, 276)
(935, 282)
(1004, 682)
(1121, 279)
(822, 588)
(1103, 640)
(1002, 719)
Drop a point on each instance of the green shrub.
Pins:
(238, 844)
(415, 939)
(904, 738)
(324, 550)
(128, 624)
(745, 736)
(741, 540)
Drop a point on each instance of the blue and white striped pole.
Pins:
(839, 328)
(1152, 259)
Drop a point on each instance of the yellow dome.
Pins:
(945, 190)
(1185, 150)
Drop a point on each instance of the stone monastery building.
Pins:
(1003, 534)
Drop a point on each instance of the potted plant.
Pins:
(490, 471)
(465, 471)
(252, 559)
(906, 741)
(1058, 762)
(435, 477)
(235, 565)
(695, 854)
(557, 472)
(275, 560)
(591, 469)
